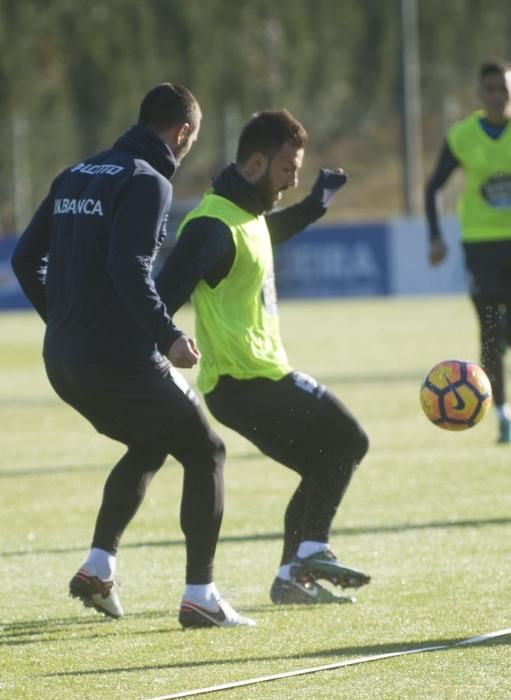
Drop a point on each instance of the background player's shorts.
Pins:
(288, 420)
(133, 406)
(489, 268)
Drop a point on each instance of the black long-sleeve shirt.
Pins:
(205, 250)
(85, 259)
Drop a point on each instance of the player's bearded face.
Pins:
(280, 174)
(268, 190)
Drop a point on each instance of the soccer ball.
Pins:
(456, 395)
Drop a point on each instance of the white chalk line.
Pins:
(328, 667)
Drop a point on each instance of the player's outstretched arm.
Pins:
(284, 223)
(327, 184)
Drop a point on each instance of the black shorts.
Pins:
(133, 406)
(489, 268)
(285, 418)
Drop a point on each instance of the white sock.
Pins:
(503, 411)
(308, 547)
(284, 572)
(205, 593)
(101, 563)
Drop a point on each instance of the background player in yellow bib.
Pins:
(224, 257)
(480, 145)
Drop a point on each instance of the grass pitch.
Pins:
(428, 515)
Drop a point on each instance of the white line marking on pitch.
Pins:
(330, 667)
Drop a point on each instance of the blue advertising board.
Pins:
(332, 261)
(337, 260)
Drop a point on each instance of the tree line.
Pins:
(72, 75)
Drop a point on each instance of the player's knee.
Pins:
(360, 443)
(217, 451)
(353, 441)
(209, 452)
(343, 431)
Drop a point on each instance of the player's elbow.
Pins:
(20, 262)
(433, 186)
(122, 269)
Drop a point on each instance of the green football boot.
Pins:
(304, 591)
(323, 564)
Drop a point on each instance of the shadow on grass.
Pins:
(309, 658)
(91, 625)
(271, 536)
(46, 471)
(77, 468)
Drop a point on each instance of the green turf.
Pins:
(428, 515)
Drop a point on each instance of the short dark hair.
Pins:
(168, 105)
(266, 132)
(493, 66)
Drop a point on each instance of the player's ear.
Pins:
(182, 132)
(255, 166)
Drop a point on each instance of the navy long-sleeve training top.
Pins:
(85, 259)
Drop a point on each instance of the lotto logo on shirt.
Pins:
(99, 169)
(89, 207)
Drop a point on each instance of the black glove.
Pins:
(326, 185)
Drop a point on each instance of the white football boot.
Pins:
(94, 593)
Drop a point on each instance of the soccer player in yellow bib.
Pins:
(223, 256)
(480, 145)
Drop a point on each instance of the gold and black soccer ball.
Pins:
(456, 394)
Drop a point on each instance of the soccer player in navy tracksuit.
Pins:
(85, 264)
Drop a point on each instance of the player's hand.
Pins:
(183, 352)
(327, 184)
(437, 251)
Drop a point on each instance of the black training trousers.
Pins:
(300, 424)
(154, 413)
